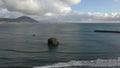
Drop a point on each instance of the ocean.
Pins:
(80, 46)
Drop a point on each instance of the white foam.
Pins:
(93, 63)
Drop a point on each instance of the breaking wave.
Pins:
(105, 63)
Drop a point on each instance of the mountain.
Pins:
(22, 19)
(25, 18)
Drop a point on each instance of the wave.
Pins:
(105, 63)
(44, 51)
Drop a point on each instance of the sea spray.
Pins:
(92, 63)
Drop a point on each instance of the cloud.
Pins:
(116, 0)
(72, 2)
(1, 3)
(86, 17)
(104, 16)
(52, 10)
(4, 13)
(39, 7)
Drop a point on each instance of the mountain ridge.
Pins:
(22, 19)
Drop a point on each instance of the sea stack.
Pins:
(53, 42)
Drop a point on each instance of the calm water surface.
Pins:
(77, 42)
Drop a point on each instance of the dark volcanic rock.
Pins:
(53, 42)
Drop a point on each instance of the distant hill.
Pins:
(23, 19)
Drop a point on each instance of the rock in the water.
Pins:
(53, 42)
(34, 35)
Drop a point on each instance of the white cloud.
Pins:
(24, 6)
(4, 13)
(1, 3)
(86, 17)
(39, 7)
(72, 2)
(116, 0)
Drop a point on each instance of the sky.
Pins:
(105, 6)
(62, 10)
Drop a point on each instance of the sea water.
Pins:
(79, 45)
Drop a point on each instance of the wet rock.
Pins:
(53, 42)
(34, 35)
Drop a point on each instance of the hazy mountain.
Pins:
(23, 19)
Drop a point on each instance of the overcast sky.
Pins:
(62, 10)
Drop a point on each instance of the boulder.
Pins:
(34, 35)
(53, 42)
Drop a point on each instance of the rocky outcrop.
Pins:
(53, 42)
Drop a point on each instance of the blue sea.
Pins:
(80, 46)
